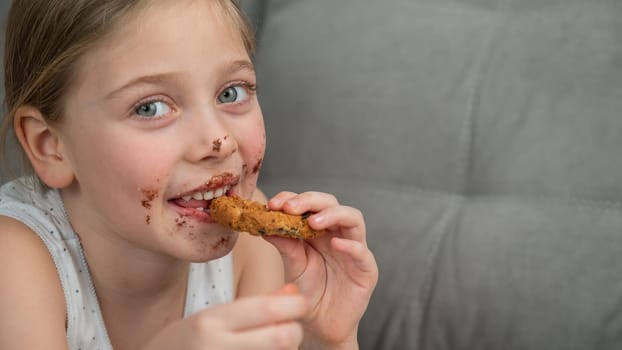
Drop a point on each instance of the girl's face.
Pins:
(163, 116)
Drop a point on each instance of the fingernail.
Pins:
(275, 202)
(288, 302)
(288, 289)
(293, 203)
(317, 219)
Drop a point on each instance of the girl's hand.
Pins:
(259, 322)
(336, 272)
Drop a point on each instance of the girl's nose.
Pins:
(212, 140)
(223, 146)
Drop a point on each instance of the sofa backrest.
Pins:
(481, 139)
(473, 97)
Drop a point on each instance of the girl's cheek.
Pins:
(257, 166)
(256, 151)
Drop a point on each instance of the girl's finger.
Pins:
(309, 202)
(287, 335)
(276, 202)
(349, 221)
(253, 312)
(293, 253)
(360, 262)
(288, 289)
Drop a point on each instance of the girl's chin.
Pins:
(213, 247)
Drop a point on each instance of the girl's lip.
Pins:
(199, 215)
(225, 179)
(192, 202)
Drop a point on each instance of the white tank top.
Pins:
(209, 283)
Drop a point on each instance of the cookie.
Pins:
(255, 218)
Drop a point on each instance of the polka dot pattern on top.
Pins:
(209, 283)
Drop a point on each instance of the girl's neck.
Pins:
(139, 291)
(139, 301)
(138, 295)
(130, 274)
(118, 267)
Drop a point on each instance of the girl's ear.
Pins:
(43, 147)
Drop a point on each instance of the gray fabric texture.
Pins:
(481, 139)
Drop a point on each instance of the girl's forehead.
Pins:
(164, 36)
(163, 13)
(150, 18)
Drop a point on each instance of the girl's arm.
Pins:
(258, 265)
(32, 303)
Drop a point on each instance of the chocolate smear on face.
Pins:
(216, 144)
(180, 222)
(257, 166)
(223, 242)
(148, 196)
(219, 180)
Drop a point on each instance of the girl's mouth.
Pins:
(197, 202)
(200, 200)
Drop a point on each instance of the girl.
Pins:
(133, 115)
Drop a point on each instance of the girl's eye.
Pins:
(233, 94)
(153, 109)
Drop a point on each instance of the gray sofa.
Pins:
(483, 141)
(481, 138)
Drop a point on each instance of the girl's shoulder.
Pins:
(40, 209)
(32, 297)
(32, 294)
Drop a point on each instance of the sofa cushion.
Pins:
(480, 138)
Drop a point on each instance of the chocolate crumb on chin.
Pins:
(180, 222)
(222, 242)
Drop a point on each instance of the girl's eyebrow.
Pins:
(155, 79)
(239, 65)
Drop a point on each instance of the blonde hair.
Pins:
(43, 42)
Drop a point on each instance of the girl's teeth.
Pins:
(198, 196)
(206, 196)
